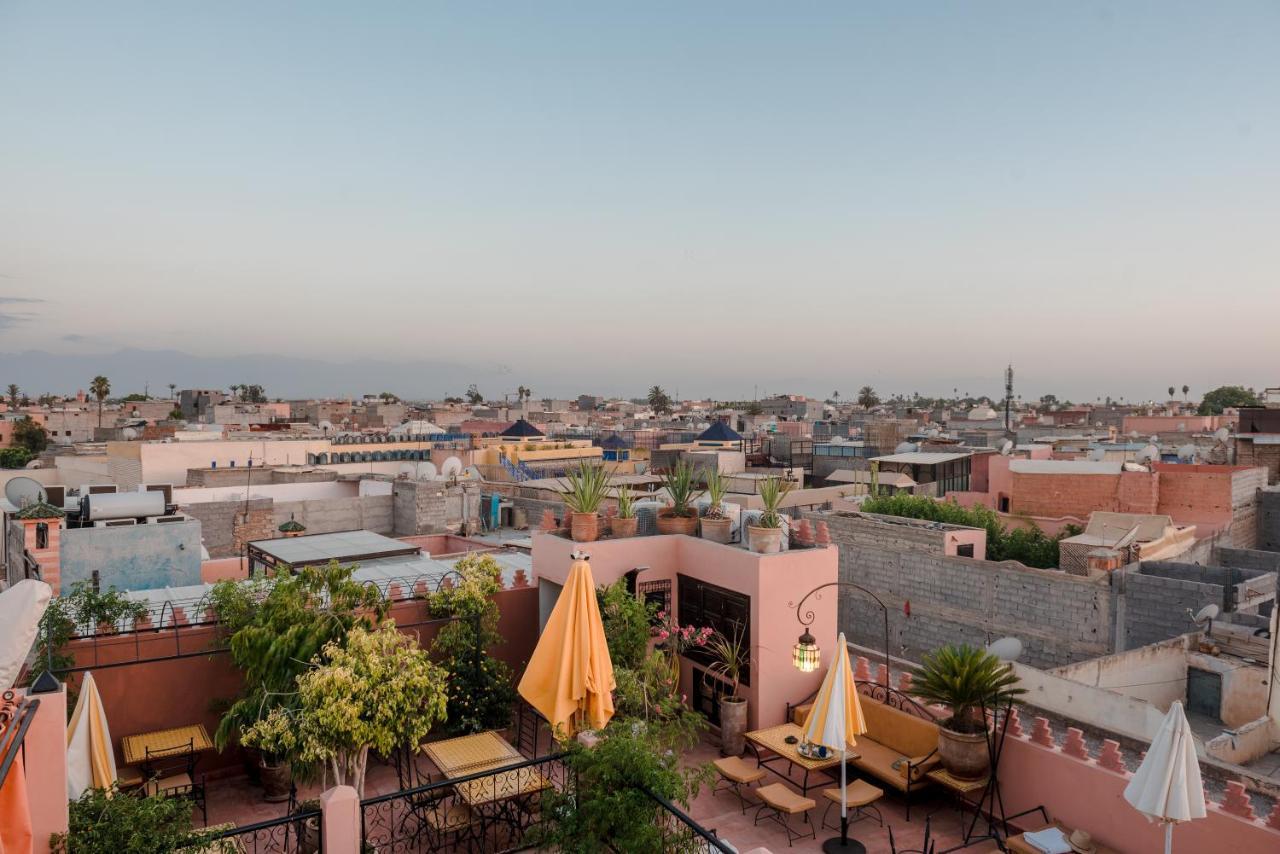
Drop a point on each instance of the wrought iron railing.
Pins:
(298, 833)
(682, 834)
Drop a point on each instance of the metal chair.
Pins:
(172, 774)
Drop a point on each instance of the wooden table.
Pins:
(774, 740)
(1018, 845)
(180, 741)
(471, 754)
(495, 795)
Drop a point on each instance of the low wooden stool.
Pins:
(735, 772)
(860, 796)
(782, 803)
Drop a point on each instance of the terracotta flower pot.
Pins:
(733, 725)
(964, 754)
(584, 527)
(717, 530)
(276, 779)
(671, 524)
(623, 527)
(764, 541)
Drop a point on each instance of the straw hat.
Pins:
(1081, 841)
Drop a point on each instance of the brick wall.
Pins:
(1268, 521)
(254, 520)
(419, 507)
(326, 515)
(1054, 495)
(216, 522)
(1250, 454)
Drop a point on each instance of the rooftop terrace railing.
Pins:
(298, 833)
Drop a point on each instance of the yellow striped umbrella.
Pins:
(91, 762)
(835, 721)
(570, 677)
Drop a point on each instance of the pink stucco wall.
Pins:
(775, 584)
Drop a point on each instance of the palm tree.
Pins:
(1186, 389)
(835, 395)
(659, 399)
(1172, 392)
(14, 394)
(867, 397)
(101, 387)
(173, 389)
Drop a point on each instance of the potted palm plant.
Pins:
(967, 680)
(623, 524)
(766, 537)
(731, 657)
(682, 488)
(716, 526)
(588, 487)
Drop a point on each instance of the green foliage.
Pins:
(372, 690)
(964, 678)
(717, 486)
(473, 395)
(659, 400)
(299, 616)
(14, 458)
(867, 397)
(80, 606)
(30, 436)
(1029, 546)
(626, 620)
(588, 487)
(175, 414)
(730, 661)
(1214, 402)
(681, 483)
(134, 397)
(481, 688)
(103, 820)
(626, 500)
(236, 603)
(772, 490)
(608, 809)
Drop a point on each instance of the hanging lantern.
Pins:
(806, 655)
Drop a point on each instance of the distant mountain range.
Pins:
(130, 370)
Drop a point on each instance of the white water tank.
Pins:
(121, 505)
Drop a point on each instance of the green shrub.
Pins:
(104, 821)
(626, 624)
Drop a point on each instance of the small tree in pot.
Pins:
(731, 660)
(681, 485)
(967, 680)
(624, 523)
(766, 537)
(588, 487)
(716, 526)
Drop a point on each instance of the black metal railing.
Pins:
(298, 833)
(680, 833)
(492, 810)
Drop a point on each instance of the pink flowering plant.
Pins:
(678, 639)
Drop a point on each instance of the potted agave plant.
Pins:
(588, 487)
(766, 537)
(624, 522)
(730, 660)
(682, 488)
(716, 526)
(966, 680)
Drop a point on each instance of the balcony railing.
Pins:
(293, 834)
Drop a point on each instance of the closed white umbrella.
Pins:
(1166, 787)
(21, 607)
(835, 720)
(91, 762)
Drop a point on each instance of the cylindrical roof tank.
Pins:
(121, 505)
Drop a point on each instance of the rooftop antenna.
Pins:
(1008, 395)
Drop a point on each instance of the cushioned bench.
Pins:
(898, 748)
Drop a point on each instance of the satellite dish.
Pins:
(1206, 614)
(474, 473)
(1097, 455)
(325, 426)
(1149, 454)
(1133, 434)
(427, 471)
(1006, 448)
(1006, 649)
(129, 434)
(1155, 440)
(1187, 452)
(1222, 434)
(21, 491)
(34, 464)
(452, 467)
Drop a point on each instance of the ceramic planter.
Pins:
(670, 524)
(964, 754)
(584, 527)
(621, 527)
(276, 779)
(764, 541)
(717, 530)
(733, 726)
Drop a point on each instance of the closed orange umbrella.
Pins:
(569, 679)
(15, 811)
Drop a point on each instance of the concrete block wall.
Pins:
(217, 523)
(1155, 607)
(419, 507)
(326, 515)
(1268, 522)
(1059, 618)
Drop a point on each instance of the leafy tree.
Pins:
(30, 435)
(388, 397)
(175, 414)
(1214, 402)
(14, 458)
(626, 624)
(14, 394)
(452, 399)
(481, 690)
(375, 689)
(103, 820)
(754, 408)
(867, 397)
(1172, 392)
(659, 400)
(134, 397)
(80, 605)
(523, 393)
(100, 387)
(473, 395)
(173, 391)
(1048, 400)
(1186, 389)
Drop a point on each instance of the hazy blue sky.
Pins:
(714, 196)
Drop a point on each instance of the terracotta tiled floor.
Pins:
(239, 802)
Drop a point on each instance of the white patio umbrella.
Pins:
(1166, 787)
(21, 607)
(835, 721)
(91, 761)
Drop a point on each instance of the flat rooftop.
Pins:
(342, 546)
(921, 458)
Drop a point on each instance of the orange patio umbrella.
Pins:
(569, 679)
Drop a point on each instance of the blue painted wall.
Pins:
(138, 557)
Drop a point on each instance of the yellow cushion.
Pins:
(738, 770)
(782, 799)
(176, 784)
(449, 816)
(859, 793)
(905, 733)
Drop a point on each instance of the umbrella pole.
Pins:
(844, 800)
(1168, 837)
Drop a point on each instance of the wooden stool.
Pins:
(736, 772)
(782, 803)
(860, 796)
